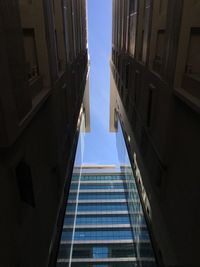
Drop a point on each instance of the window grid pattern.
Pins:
(108, 234)
(99, 207)
(96, 219)
(103, 196)
(99, 186)
(88, 226)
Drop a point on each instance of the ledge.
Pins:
(35, 86)
(37, 102)
(192, 101)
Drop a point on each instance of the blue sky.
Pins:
(100, 145)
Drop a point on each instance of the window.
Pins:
(25, 184)
(191, 77)
(149, 108)
(146, 30)
(132, 26)
(160, 46)
(31, 53)
(133, 6)
(193, 61)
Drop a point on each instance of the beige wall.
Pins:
(86, 103)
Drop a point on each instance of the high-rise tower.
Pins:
(155, 74)
(104, 224)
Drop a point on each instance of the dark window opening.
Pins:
(149, 109)
(25, 184)
(132, 7)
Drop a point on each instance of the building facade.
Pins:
(104, 224)
(155, 70)
(44, 91)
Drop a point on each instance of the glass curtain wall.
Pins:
(144, 251)
(68, 231)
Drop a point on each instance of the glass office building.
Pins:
(104, 224)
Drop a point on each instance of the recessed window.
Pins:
(132, 26)
(31, 53)
(193, 61)
(160, 46)
(146, 30)
(25, 184)
(133, 6)
(150, 102)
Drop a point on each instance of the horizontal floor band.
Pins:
(103, 213)
(110, 260)
(116, 173)
(122, 241)
(94, 226)
(98, 201)
(100, 191)
(101, 182)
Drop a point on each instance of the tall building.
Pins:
(104, 224)
(155, 71)
(44, 93)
